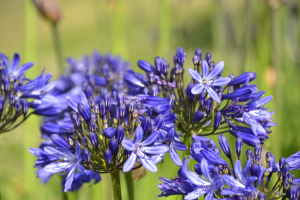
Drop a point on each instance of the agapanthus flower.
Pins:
(223, 182)
(210, 102)
(18, 92)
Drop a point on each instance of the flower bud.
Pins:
(291, 178)
(180, 55)
(107, 99)
(196, 60)
(225, 146)
(146, 124)
(74, 119)
(94, 139)
(286, 185)
(241, 79)
(49, 9)
(103, 92)
(109, 132)
(199, 115)
(249, 154)
(86, 156)
(257, 158)
(208, 105)
(119, 133)
(188, 91)
(25, 107)
(211, 65)
(281, 162)
(224, 170)
(268, 157)
(84, 142)
(11, 98)
(285, 169)
(83, 112)
(107, 156)
(92, 126)
(166, 67)
(217, 120)
(208, 57)
(254, 170)
(257, 149)
(238, 146)
(97, 109)
(17, 104)
(261, 196)
(198, 53)
(102, 108)
(131, 105)
(178, 69)
(113, 146)
(266, 173)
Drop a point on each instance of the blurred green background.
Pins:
(249, 35)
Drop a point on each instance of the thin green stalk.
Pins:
(58, 50)
(115, 180)
(129, 184)
(187, 140)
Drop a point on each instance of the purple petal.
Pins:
(197, 88)
(155, 150)
(213, 94)
(157, 158)
(147, 162)
(15, 63)
(73, 105)
(150, 139)
(231, 181)
(77, 149)
(205, 170)
(216, 70)
(128, 144)
(60, 141)
(239, 172)
(58, 167)
(195, 194)
(128, 165)
(175, 157)
(69, 180)
(81, 169)
(195, 75)
(205, 68)
(221, 81)
(180, 146)
(139, 134)
(22, 69)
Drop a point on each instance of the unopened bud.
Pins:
(49, 9)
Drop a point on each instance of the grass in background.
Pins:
(240, 33)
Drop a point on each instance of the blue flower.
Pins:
(207, 81)
(173, 143)
(140, 149)
(14, 69)
(203, 186)
(60, 161)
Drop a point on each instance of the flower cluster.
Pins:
(215, 179)
(210, 102)
(103, 130)
(17, 89)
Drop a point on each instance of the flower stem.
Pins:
(58, 47)
(115, 179)
(129, 183)
(187, 141)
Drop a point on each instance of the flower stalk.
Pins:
(115, 180)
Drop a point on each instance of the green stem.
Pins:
(58, 47)
(187, 140)
(129, 183)
(115, 179)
